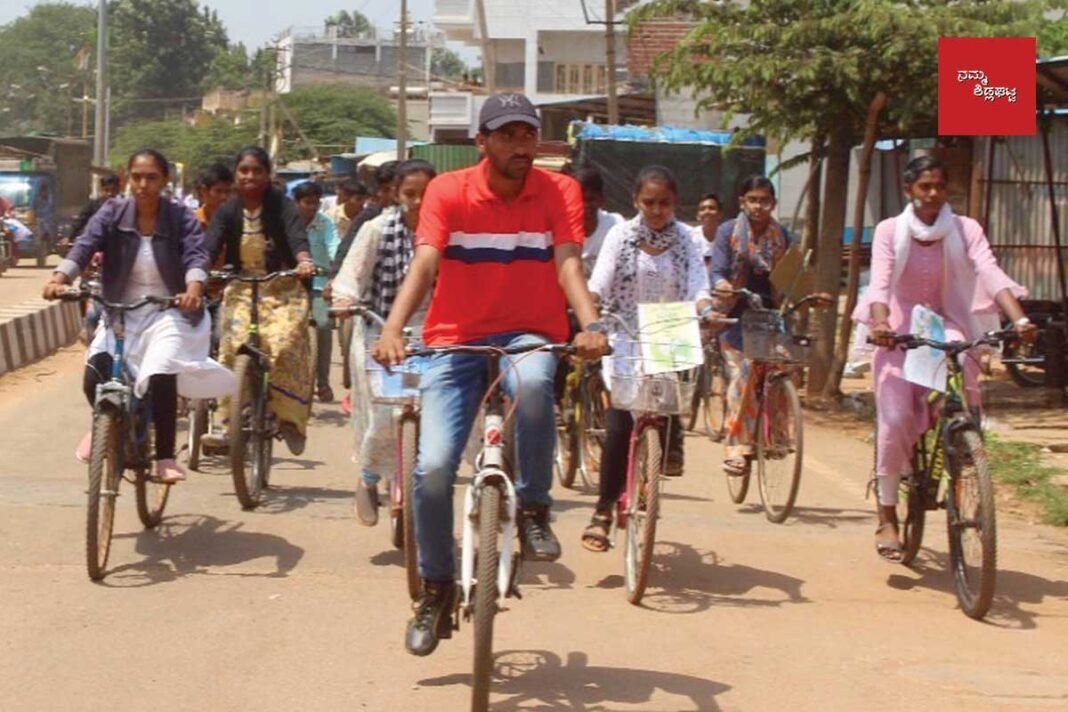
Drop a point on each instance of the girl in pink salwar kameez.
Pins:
(926, 256)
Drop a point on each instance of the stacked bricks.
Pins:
(650, 39)
(34, 329)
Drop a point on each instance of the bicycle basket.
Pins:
(765, 338)
(399, 385)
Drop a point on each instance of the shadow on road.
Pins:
(1011, 589)
(185, 545)
(684, 580)
(334, 417)
(280, 500)
(538, 679)
(829, 517)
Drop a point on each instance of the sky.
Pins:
(255, 22)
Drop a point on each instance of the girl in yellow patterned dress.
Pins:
(259, 231)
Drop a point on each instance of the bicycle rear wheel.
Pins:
(971, 522)
(345, 335)
(697, 403)
(569, 443)
(489, 508)
(105, 475)
(245, 444)
(715, 402)
(198, 425)
(779, 450)
(643, 511)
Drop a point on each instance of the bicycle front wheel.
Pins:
(409, 440)
(569, 443)
(345, 336)
(779, 448)
(594, 426)
(971, 522)
(489, 509)
(198, 425)
(643, 510)
(105, 475)
(715, 402)
(245, 443)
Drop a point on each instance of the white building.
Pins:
(543, 48)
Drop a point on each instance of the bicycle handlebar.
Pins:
(490, 351)
(356, 310)
(756, 302)
(228, 274)
(711, 319)
(991, 338)
(79, 295)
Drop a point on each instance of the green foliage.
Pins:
(37, 54)
(230, 69)
(212, 140)
(350, 24)
(332, 116)
(446, 64)
(1053, 35)
(1020, 465)
(804, 67)
(160, 50)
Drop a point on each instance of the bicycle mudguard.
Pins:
(261, 358)
(488, 477)
(112, 395)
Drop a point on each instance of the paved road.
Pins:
(297, 607)
(24, 282)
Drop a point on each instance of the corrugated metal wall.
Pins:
(446, 157)
(1020, 229)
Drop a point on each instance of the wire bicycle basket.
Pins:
(767, 338)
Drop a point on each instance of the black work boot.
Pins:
(539, 542)
(433, 617)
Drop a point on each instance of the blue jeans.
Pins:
(452, 390)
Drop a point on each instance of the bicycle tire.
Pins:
(697, 402)
(974, 584)
(198, 426)
(716, 403)
(1025, 375)
(738, 485)
(241, 432)
(345, 336)
(644, 511)
(489, 508)
(595, 406)
(571, 443)
(779, 463)
(913, 493)
(105, 476)
(411, 548)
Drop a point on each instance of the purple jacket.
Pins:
(177, 243)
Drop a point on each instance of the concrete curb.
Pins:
(34, 329)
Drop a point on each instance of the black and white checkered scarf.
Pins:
(391, 264)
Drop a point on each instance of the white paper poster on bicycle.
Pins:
(925, 366)
(670, 337)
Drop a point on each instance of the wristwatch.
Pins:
(596, 327)
(1022, 322)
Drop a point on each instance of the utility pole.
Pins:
(610, 61)
(489, 66)
(100, 141)
(402, 85)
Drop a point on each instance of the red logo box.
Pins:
(986, 86)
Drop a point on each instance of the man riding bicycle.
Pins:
(500, 243)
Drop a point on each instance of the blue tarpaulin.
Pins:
(658, 134)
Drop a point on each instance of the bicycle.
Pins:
(201, 412)
(122, 440)
(709, 401)
(490, 569)
(652, 398)
(950, 471)
(777, 356)
(397, 387)
(582, 431)
(252, 429)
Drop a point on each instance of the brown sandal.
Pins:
(595, 537)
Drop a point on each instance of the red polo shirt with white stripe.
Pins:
(498, 272)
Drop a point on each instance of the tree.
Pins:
(231, 69)
(160, 52)
(446, 64)
(350, 24)
(332, 116)
(804, 69)
(39, 53)
(196, 147)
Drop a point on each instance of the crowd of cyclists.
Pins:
(494, 254)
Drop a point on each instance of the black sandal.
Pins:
(595, 537)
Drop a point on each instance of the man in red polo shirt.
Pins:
(501, 244)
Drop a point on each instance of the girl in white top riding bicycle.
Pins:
(650, 258)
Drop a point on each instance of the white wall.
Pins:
(579, 47)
